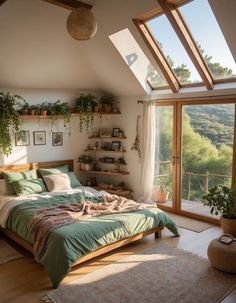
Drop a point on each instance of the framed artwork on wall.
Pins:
(57, 138)
(22, 138)
(39, 137)
(115, 145)
(115, 132)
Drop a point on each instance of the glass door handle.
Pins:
(173, 160)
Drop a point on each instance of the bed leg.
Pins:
(158, 234)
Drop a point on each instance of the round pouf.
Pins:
(222, 256)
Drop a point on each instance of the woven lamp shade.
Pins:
(81, 24)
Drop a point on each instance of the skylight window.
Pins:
(137, 61)
(176, 55)
(208, 36)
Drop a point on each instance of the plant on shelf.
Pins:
(84, 106)
(163, 187)
(43, 108)
(85, 162)
(33, 110)
(60, 109)
(222, 201)
(24, 108)
(9, 120)
(107, 102)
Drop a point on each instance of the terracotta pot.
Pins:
(43, 113)
(32, 112)
(96, 108)
(107, 108)
(162, 196)
(228, 226)
(24, 112)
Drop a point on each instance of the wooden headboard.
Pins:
(36, 165)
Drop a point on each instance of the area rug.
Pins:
(7, 253)
(157, 274)
(190, 224)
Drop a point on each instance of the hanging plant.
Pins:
(60, 109)
(9, 120)
(84, 106)
(136, 145)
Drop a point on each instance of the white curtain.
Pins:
(148, 152)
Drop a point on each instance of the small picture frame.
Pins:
(57, 139)
(115, 145)
(115, 132)
(39, 137)
(22, 138)
(105, 132)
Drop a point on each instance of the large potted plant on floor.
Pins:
(222, 201)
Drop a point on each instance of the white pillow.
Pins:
(57, 182)
(3, 187)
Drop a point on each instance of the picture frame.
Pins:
(57, 138)
(115, 132)
(22, 138)
(115, 145)
(108, 160)
(39, 137)
(105, 132)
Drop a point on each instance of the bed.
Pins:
(79, 241)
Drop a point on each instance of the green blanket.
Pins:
(70, 242)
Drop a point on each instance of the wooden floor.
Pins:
(23, 280)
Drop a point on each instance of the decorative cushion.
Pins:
(3, 187)
(54, 170)
(26, 187)
(74, 182)
(10, 177)
(57, 182)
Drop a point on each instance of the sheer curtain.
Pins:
(148, 152)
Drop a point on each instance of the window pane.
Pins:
(209, 38)
(136, 59)
(174, 51)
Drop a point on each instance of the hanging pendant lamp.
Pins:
(81, 24)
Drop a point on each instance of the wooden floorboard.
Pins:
(23, 280)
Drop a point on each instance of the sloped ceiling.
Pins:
(37, 51)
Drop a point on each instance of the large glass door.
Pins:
(206, 145)
(165, 155)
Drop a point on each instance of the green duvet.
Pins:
(70, 242)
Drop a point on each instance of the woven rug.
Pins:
(7, 253)
(158, 274)
(190, 224)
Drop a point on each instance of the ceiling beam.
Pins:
(69, 4)
(158, 56)
(186, 38)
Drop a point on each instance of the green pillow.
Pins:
(74, 182)
(10, 177)
(26, 187)
(55, 170)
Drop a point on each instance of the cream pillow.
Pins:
(3, 187)
(57, 182)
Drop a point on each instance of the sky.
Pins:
(205, 30)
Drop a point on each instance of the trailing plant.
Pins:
(221, 200)
(60, 109)
(9, 120)
(136, 145)
(84, 106)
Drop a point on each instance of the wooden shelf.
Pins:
(107, 138)
(104, 172)
(60, 117)
(104, 151)
(115, 163)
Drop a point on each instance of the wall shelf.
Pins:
(107, 138)
(105, 151)
(104, 172)
(59, 116)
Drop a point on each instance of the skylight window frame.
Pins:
(170, 9)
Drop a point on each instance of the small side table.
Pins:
(222, 256)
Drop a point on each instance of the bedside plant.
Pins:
(222, 201)
(9, 120)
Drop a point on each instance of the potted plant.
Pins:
(9, 120)
(60, 109)
(107, 103)
(43, 108)
(164, 183)
(33, 110)
(222, 200)
(84, 106)
(24, 108)
(85, 162)
(96, 107)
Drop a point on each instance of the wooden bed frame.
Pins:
(96, 253)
